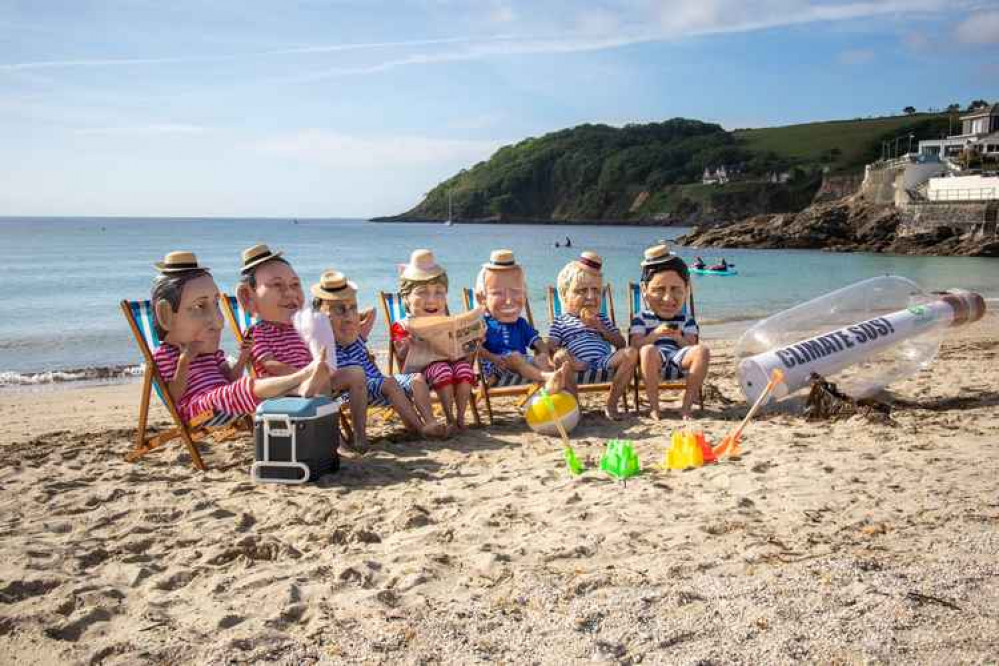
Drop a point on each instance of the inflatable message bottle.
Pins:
(864, 336)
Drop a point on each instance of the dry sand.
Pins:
(847, 542)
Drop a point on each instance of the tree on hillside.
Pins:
(977, 104)
(909, 110)
(952, 108)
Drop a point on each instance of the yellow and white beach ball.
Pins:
(539, 416)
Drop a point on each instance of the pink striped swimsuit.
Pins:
(207, 388)
(274, 341)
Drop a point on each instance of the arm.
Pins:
(277, 368)
(235, 371)
(610, 333)
(367, 323)
(178, 384)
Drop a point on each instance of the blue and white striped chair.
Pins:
(394, 311)
(590, 381)
(140, 317)
(635, 305)
(509, 384)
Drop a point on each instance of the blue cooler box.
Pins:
(296, 439)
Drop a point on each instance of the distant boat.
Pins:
(449, 222)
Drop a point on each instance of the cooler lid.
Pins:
(297, 408)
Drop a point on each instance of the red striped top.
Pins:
(204, 373)
(278, 342)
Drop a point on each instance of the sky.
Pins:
(355, 108)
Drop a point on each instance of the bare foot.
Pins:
(655, 415)
(434, 430)
(318, 378)
(612, 413)
(686, 415)
(449, 431)
(460, 425)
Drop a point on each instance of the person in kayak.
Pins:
(721, 266)
(699, 264)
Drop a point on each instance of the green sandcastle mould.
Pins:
(620, 460)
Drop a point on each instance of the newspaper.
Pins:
(443, 338)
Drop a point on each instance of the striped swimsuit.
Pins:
(275, 341)
(584, 343)
(207, 388)
(670, 351)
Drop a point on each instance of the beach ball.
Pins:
(539, 416)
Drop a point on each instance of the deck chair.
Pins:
(589, 381)
(635, 305)
(394, 310)
(240, 320)
(509, 384)
(140, 317)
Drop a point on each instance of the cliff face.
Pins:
(847, 225)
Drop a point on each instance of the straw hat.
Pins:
(421, 266)
(501, 260)
(334, 286)
(256, 255)
(590, 261)
(178, 262)
(657, 254)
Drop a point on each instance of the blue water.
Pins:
(62, 279)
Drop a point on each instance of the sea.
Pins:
(62, 279)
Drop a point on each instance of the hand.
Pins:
(368, 317)
(591, 319)
(667, 331)
(245, 352)
(190, 350)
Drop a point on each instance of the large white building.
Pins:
(979, 130)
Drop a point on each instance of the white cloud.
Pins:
(163, 128)
(856, 56)
(979, 29)
(343, 151)
(502, 12)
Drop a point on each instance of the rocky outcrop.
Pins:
(844, 225)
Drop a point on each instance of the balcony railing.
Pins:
(966, 194)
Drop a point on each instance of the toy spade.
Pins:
(730, 444)
(571, 461)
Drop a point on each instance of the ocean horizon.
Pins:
(65, 276)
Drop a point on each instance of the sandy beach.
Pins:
(846, 542)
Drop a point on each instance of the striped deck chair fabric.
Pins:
(140, 317)
(239, 318)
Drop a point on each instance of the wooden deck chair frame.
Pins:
(200, 427)
(634, 307)
(392, 310)
(239, 321)
(486, 392)
(607, 309)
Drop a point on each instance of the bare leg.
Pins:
(316, 372)
(462, 393)
(421, 398)
(623, 362)
(352, 380)
(565, 362)
(517, 363)
(652, 364)
(695, 365)
(446, 396)
(400, 403)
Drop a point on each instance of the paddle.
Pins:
(730, 444)
(571, 461)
